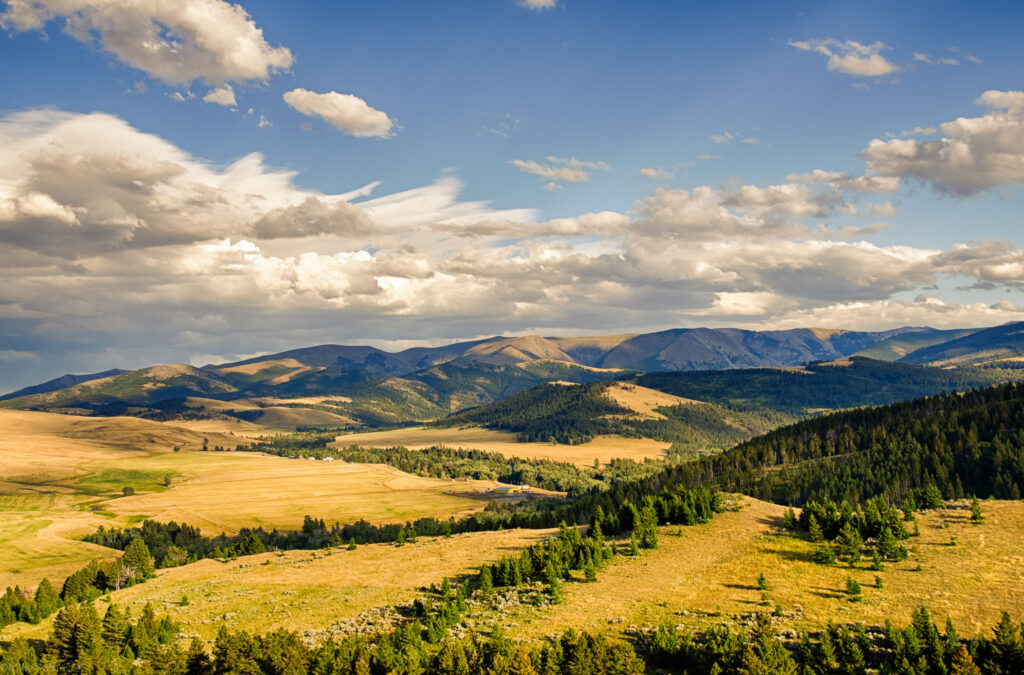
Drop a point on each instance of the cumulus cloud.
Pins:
(224, 95)
(974, 153)
(65, 192)
(849, 56)
(345, 112)
(176, 42)
(151, 253)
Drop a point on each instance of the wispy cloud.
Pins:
(850, 57)
(560, 170)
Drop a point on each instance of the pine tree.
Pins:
(136, 561)
(486, 581)
(963, 663)
(789, 519)
(814, 532)
(76, 638)
(976, 517)
(46, 598)
(909, 506)
(762, 582)
(850, 543)
(116, 627)
(853, 589)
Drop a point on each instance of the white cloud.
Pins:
(728, 137)
(224, 95)
(347, 113)
(560, 170)
(177, 42)
(538, 5)
(64, 193)
(657, 173)
(850, 57)
(152, 253)
(975, 153)
(264, 122)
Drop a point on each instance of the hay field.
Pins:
(602, 448)
(225, 491)
(715, 567)
(55, 469)
(61, 477)
(305, 590)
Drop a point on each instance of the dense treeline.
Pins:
(16, 605)
(82, 642)
(820, 386)
(174, 544)
(920, 648)
(443, 462)
(962, 444)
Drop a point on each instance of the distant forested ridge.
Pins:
(963, 444)
(574, 414)
(818, 386)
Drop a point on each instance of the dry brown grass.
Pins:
(715, 567)
(306, 590)
(61, 477)
(602, 448)
(223, 492)
(643, 401)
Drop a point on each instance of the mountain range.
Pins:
(381, 387)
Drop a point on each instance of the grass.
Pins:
(602, 448)
(697, 570)
(305, 590)
(223, 492)
(61, 477)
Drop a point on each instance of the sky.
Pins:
(204, 180)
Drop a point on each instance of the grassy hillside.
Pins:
(136, 387)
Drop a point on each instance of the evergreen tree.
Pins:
(136, 562)
(853, 589)
(850, 543)
(47, 600)
(76, 640)
(814, 532)
(486, 581)
(116, 627)
(976, 515)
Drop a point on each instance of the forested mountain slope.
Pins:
(964, 444)
(847, 383)
(566, 413)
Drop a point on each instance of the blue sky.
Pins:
(488, 132)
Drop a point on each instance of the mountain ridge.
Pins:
(473, 372)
